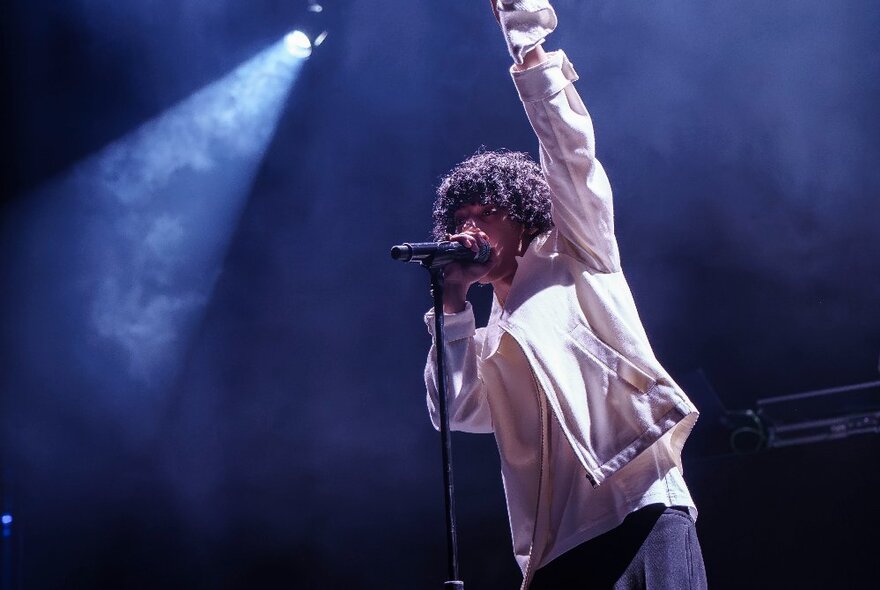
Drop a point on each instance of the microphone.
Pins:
(440, 253)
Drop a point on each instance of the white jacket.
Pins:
(569, 308)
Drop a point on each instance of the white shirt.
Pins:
(551, 505)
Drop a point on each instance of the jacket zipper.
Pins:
(527, 576)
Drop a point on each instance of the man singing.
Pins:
(589, 425)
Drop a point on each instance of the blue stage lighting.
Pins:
(138, 231)
(6, 519)
(298, 44)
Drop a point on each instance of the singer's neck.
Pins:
(501, 286)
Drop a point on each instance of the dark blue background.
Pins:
(292, 447)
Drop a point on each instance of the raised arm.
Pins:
(582, 205)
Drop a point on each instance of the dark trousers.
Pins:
(654, 548)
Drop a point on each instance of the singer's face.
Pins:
(504, 235)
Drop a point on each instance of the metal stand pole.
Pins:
(453, 582)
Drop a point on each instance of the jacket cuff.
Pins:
(525, 24)
(456, 326)
(545, 79)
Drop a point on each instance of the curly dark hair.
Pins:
(509, 180)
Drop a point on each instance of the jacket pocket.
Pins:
(609, 358)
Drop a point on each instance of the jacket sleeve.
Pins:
(582, 207)
(466, 393)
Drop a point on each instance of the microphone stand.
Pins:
(453, 582)
(434, 256)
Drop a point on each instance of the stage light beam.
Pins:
(138, 231)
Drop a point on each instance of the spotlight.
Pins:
(298, 44)
(149, 219)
